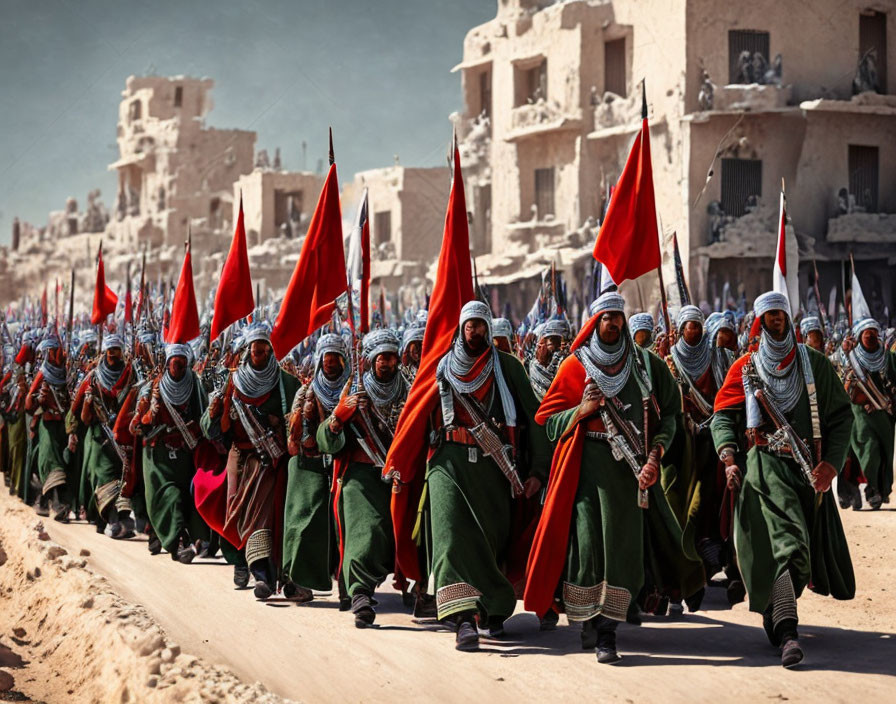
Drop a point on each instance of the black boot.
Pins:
(425, 606)
(362, 609)
(154, 544)
(791, 652)
(873, 497)
(589, 634)
(263, 581)
(606, 641)
(241, 576)
(467, 637)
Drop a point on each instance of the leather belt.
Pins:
(460, 436)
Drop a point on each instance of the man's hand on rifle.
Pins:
(531, 487)
(592, 400)
(650, 472)
(72, 442)
(344, 410)
(823, 475)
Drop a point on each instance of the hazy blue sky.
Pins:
(377, 70)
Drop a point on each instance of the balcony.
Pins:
(873, 228)
(540, 118)
(752, 97)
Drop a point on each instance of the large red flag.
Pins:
(628, 242)
(319, 277)
(234, 299)
(407, 455)
(104, 298)
(184, 325)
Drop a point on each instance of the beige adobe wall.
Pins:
(259, 199)
(818, 41)
(775, 138)
(824, 165)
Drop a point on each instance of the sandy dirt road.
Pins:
(313, 652)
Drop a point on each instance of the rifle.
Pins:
(785, 437)
(488, 438)
(102, 415)
(624, 440)
(263, 440)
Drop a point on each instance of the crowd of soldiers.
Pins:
(609, 474)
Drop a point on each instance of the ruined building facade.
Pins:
(740, 97)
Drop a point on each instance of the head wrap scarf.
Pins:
(722, 357)
(775, 360)
(872, 361)
(177, 392)
(641, 321)
(501, 327)
(112, 340)
(458, 363)
(608, 365)
(53, 374)
(810, 323)
(694, 360)
(382, 393)
(327, 390)
(256, 382)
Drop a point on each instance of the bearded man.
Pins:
(358, 434)
(784, 418)
(550, 351)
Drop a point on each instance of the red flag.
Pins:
(628, 241)
(453, 288)
(184, 325)
(44, 315)
(104, 298)
(319, 276)
(234, 299)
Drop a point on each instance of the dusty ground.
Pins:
(83, 637)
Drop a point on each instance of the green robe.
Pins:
(617, 549)
(363, 507)
(18, 444)
(469, 510)
(872, 438)
(310, 549)
(778, 524)
(51, 457)
(167, 481)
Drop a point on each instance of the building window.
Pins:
(531, 83)
(748, 51)
(544, 192)
(741, 185)
(873, 48)
(863, 165)
(485, 93)
(614, 67)
(287, 209)
(382, 227)
(134, 110)
(178, 96)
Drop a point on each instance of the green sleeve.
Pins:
(200, 397)
(210, 428)
(669, 400)
(329, 442)
(727, 428)
(539, 448)
(290, 388)
(834, 409)
(559, 423)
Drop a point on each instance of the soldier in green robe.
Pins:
(607, 530)
(358, 434)
(871, 384)
(787, 529)
(167, 418)
(310, 543)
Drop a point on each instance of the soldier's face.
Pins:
(610, 327)
(475, 333)
(775, 321)
(385, 366)
(815, 340)
(259, 353)
(692, 332)
(870, 340)
(726, 338)
(503, 344)
(114, 357)
(642, 338)
(177, 367)
(553, 343)
(542, 353)
(414, 351)
(332, 365)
